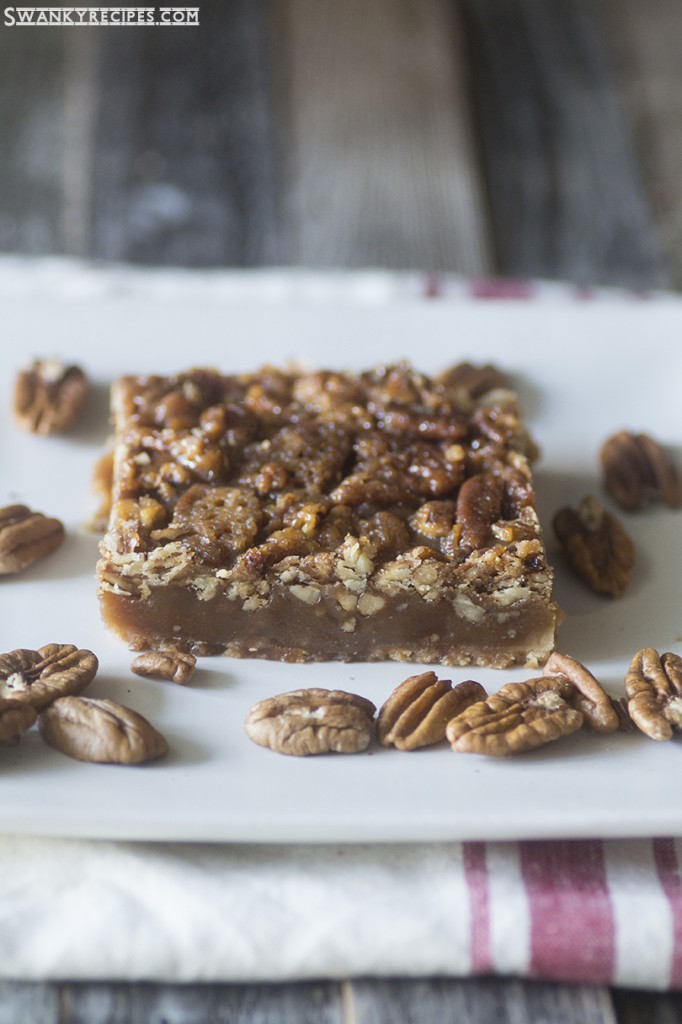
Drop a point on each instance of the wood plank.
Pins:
(479, 1001)
(29, 1003)
(145, 1003)
(380, 164)
(31, 129)
(636, 1007)
(644, 40)
(184, 164)
(565, 187)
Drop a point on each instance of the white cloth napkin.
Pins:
(580, 911)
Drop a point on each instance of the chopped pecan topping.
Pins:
(636, 468)
(597, 546)
(26, 537)
(519, 717)
(419, 709)
(175, 666)
(40, 677)
(312, 721)
(15, 718)
(654, 688)
(49, 396)
(218, 522)
(598, 707)
(102, 731)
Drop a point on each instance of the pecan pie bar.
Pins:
(326, 516)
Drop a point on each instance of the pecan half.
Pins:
(312, 721)
(15, 719)
(419, 709)
(49, 396)
(26, 537)
(479, 505)
(596, 546)
(474, 380)
(175, 666)
(100, 730)
(636, 468)
(654, 687)
(597, 706)
(519, 717)
(40, 677)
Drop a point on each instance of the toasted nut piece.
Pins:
(654, 688)
(474, 380)
(479, 505)
(26, 537)
(590, 698)
(175, 666)
(596, 546)
(15, 719)
(312, 721)
(100, 730)
(418, 710)
(48, 396)
(519, 717)
(40, 677)
(636, 468)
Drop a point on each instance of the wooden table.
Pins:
(484, 137)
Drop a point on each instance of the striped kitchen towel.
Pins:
(580, 910)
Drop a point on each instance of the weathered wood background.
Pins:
(483, 137)
(511, 137)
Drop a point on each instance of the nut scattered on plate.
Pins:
(654, 688)
(49, 396)
(26, 537)
(598, 707)
(15, 718)
(637, 469)
(102, 731)
(175, 666)
(596, 545)
(40, 677)
(518, 718)
(312, 721)
(417, 712)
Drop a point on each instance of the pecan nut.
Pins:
(479, 505)
(636, 468)
(519, 717)
(597, 547)
(654, 687)
(598, 707)
(40, 677)
(26, 537)
(419, 709)
(473, 380)
(15, 719)
(312, 721)
(49, 396)
(175, 666)
(102, 731)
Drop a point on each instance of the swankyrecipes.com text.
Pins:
(34, 16)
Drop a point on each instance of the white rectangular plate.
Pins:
(583, 370)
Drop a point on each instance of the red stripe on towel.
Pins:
(572, 925)
(500, 288)
(476, 874)
(668, 870)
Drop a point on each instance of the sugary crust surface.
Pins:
(301, 515)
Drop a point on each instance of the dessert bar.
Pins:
(326, 516)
